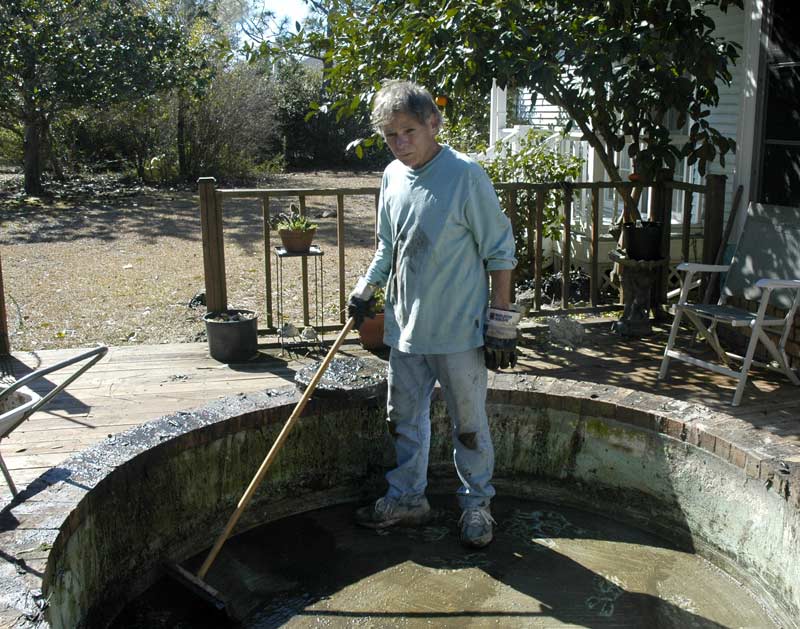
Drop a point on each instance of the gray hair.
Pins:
(403, 97)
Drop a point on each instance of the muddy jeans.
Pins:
(463, 380)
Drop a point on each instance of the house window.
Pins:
(779, 176)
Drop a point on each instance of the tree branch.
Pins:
(630, 211)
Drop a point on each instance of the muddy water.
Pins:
(548, 567)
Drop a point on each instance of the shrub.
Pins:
(533, 163)
(10, 148)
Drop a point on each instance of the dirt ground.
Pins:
(114, 264)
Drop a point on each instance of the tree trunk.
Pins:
(183, 170)
(32, 156)
(630, 212)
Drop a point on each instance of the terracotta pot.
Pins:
(296, 241)
(371, 332)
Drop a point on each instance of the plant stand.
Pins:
(637, 277)
(315, 253)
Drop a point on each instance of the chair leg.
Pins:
(748, 360)
(673, 334)
(709, 335)
(779, 354)
(8, 478)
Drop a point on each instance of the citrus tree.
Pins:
(616, 67)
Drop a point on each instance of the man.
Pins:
(440, 230)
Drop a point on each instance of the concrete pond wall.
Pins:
(107, 520)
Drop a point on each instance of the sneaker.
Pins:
(388, 512)
(476, 527)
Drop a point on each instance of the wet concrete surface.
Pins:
(349, 377)
(548, 567)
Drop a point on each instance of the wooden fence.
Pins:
(211, 214)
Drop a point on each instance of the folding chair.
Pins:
(765, 268)
(18, 402)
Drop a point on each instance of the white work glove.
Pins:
(361, 303)
(500, 339)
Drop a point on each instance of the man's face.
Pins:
(411, 141)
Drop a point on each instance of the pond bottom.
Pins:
(549, 566)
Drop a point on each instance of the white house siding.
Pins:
(725, 117)
(539, 114)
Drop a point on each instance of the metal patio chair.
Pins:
(765, 269)
(18, 402)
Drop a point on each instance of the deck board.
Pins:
(137, 383)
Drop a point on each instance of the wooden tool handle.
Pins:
(254, 484)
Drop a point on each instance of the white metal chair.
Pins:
(18, 402)
(765, 269)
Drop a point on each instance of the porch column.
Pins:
(497, 113)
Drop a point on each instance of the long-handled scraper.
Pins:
(195, 582)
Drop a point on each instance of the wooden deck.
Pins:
(134, 384)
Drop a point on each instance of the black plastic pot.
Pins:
(643, 240)
(234, 339)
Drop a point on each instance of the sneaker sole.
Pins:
(409, 521)
(476, 543)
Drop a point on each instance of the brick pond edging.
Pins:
(96, 528)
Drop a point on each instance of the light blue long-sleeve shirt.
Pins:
(440, 231)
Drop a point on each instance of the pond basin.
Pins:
(614, 508)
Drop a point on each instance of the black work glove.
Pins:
(500, 340)
(500, 353)
(360, 309)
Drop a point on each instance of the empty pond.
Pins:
(615, 508)
(549, 566)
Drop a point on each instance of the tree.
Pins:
(616, 67)
(56, 55)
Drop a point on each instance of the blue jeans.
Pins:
(463, 379)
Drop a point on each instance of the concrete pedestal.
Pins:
(637, 278)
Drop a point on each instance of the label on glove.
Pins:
(502, 324)
(363, 290)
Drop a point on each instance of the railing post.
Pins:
(340, 252)
(5, 344)
(377, 210)
(213, 247)
(530, 224)
(537, 272)
(265, 217)
(712, 222)
(566, 252)
(661, 210)
(595, 247)
(304, 272)
(686, 228)
(512, 211)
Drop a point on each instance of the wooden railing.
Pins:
(211, 207)
(211, 211)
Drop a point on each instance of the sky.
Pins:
(295, 10)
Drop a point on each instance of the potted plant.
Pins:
(371, 331)
(296, 231)
(642, 240)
